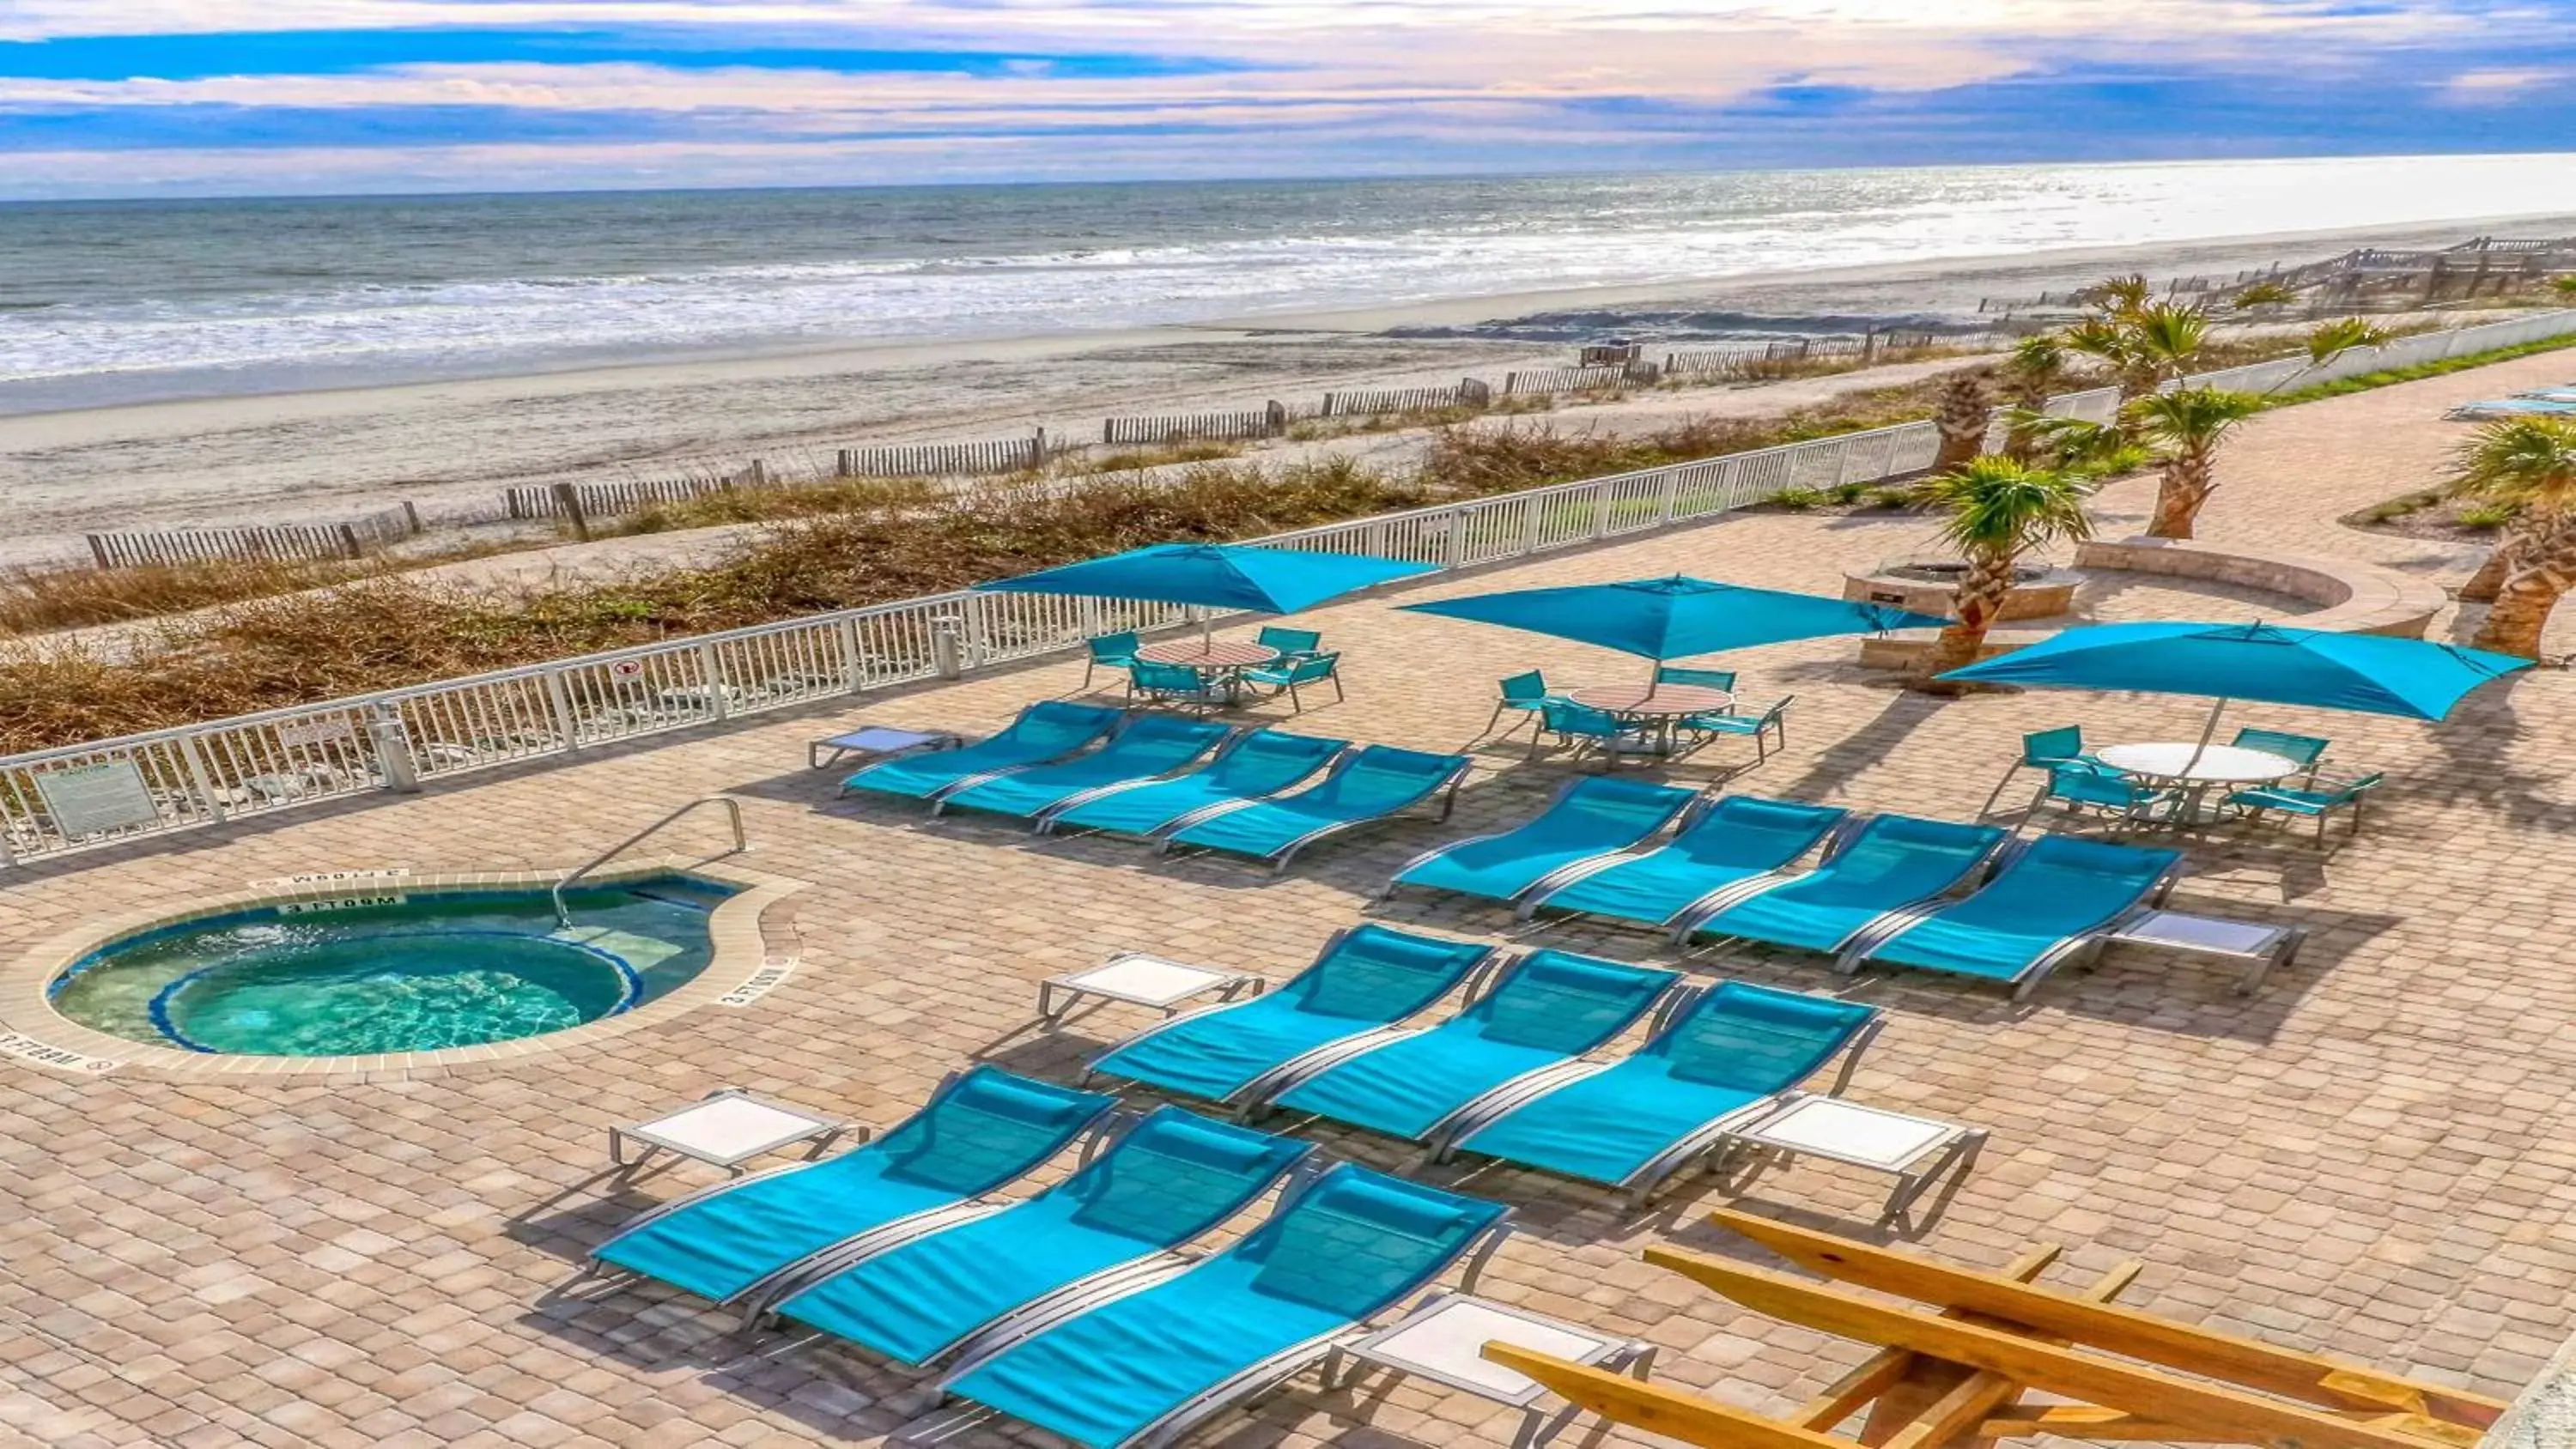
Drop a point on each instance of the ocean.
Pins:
(117, 302)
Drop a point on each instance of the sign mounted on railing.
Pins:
(88, 800)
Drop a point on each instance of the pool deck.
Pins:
(2367, 1158)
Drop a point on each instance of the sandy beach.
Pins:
(448, 444)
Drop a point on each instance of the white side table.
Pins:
(1916, 1151)
(1439, 1340)
(873, 741)
(726, 1129)
(2256, 947)
(1142, 980)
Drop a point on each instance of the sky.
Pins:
(213, 97)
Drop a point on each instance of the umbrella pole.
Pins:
(2208, 732)
(1654, 676)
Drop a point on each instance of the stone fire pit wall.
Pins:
(2357, 598)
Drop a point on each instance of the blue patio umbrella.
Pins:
(1216, 576)
(2368, 673)
(1677, 617)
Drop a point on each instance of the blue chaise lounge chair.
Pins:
(1048, 730)
(1366, 981)
(1722, 1060)
(1167, 1179)
(1730, 845)
(2056, 898)
(1548, 1009)
(1150, 747)
(1588, 819)
(1893, 863)
(1366, 788)
(978, 1131)
(1147, 1368)
(1261, 763)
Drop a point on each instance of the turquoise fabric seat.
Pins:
(1169, 1179)
(1261, 763)
(1367, 787)
(1048, 730)
(984, 1129)
(1893, 862)
(1150, 745)
(1632, 1122)
(1588, 818)
(1158, 1361)
(2052, 900)
(1552, 1008)
(1739, 839)
(1367, 979)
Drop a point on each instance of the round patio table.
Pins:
(1222, 660)
(1659, 708)
(1209, 653)
(2173, 761)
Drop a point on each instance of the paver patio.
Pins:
(2368, 1158)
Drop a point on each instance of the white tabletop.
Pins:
(1442, 1342)
(726, 1129)
(1868, 1136)
(2217, 764)
(1148, 980)
(2201, 933)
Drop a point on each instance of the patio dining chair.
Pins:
(1112, 651)
(1582, 728)
(1523, 693)
(1296, 669)
(2044, 751)
(1705, 678)
(2316, 800)
(1291, 643)
(1176, 684)
(2081, 786)
(1772, 721)
(2307, 750)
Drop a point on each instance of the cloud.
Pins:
(546, 92)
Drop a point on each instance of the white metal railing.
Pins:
(102, 793)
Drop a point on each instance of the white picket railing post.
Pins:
(854, 665)
(711, 680)
(202, 779)
(559, 704)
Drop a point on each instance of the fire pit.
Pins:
(1926, 586)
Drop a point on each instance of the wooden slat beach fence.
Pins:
(1469, 393)
(269, 543)
(1270, 422)
(944, 460)
(1544, 380)
(630, 495)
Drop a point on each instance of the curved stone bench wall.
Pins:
(2355, 597)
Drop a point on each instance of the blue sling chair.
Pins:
(980, 1130)
(2056, 899)
(1146, 1368)
(1589, 818)
(1169, 1178)
(1894, 863)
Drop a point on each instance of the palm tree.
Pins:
(2529, 464)
(2146, 346)
(2183, 428)
(2123, 294)
(2330, 340)
(1966, 411)
(2262, 294)
(1999, 510)
(2031, 375)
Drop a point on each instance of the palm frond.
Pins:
(1997, 507)
(2188, 417)
(2330, 340)
(2525, 462)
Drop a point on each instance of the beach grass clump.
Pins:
(39, 601)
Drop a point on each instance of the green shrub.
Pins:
(2485, 515)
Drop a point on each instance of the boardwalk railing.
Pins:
(81, 797)
(271, 543)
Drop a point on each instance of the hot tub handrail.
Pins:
(733, 812)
